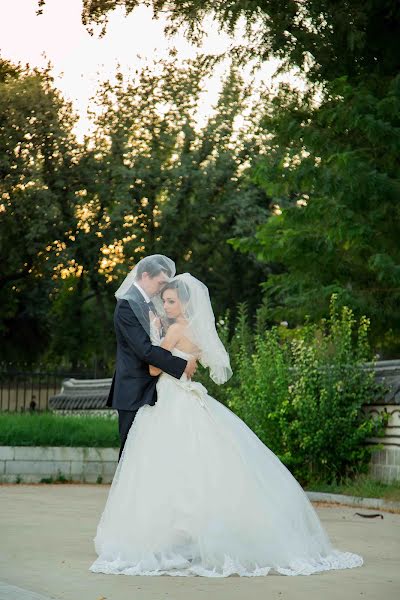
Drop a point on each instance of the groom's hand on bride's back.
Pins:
(191, 367)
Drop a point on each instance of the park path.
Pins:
(46, 548)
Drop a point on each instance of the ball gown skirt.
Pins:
(197, 493)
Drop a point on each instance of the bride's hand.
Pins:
(155, 321)
(191, 368)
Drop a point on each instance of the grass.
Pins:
(48, 429)
(362, 486)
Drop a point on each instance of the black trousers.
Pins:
(125, 420)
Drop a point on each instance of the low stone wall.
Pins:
(23, 464)
(26, 464)
(385, 463)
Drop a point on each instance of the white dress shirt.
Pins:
(141, 290)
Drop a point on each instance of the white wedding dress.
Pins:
(197, 493)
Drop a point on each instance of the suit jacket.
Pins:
(132, 385)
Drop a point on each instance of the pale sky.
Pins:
(80, 60)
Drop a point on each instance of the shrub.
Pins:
(302, 393)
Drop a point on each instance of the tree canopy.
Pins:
(330, 39)
(37, 153)
(333, 171)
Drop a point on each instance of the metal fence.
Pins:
(25, 388)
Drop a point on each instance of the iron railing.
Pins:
(24, 388)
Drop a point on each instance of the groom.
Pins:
(132, 385)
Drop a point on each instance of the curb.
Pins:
(357, 501)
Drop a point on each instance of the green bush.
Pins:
(302, 393)
(260, 397)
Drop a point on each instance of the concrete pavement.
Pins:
(46, 548)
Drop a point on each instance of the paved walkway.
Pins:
(46, 548)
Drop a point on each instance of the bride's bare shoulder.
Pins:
(175, 330)
(175, 327)
(176, 336)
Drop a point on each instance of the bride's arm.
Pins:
(171, 339)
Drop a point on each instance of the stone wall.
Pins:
(22, 464)
(385, 463)
(33, 464)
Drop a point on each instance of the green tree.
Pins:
(329, 39)
(211, 197)
(37, 152)
(333, 173)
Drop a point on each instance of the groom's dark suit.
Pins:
(132, 385)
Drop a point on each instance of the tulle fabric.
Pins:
(197, 493)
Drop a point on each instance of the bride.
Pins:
(196, 492)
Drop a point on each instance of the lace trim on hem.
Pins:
(180, 567)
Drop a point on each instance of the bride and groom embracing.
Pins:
(195, 491)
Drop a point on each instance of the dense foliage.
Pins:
(333, 171)
(329, 39)
(37, 154)
(302, 393)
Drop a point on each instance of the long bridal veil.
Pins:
(201, 329)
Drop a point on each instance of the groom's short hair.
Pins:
(153, 267)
